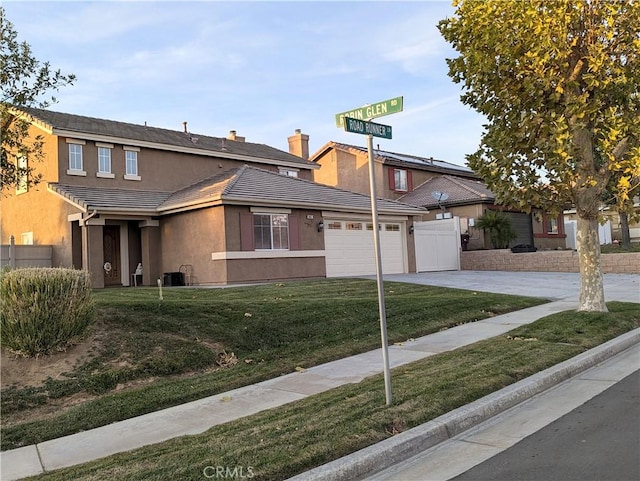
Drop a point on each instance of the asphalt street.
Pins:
(598, 441)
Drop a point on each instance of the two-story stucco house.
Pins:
(115, 195)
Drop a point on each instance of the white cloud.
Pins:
(414, 43)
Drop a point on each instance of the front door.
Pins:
(111, 242)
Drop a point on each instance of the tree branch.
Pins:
(621, 149)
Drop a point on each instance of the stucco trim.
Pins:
(346, 216)
(231, 255)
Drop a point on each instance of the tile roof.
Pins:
(176, 139)
(244, 185)
(108, 199)
(406, 160)
(458, 191)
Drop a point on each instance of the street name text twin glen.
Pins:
(379, 109)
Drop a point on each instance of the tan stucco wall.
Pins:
(245, 270)
(206, 236)
(345, 170)
(158, 170)
(39, 211)
(190, 238)
(45, 215)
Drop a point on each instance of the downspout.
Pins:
(85, 219)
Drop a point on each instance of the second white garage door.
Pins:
(349, 247)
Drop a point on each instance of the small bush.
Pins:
(44, 309)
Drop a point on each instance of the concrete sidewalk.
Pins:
(198, 416)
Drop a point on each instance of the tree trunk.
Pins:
(591, 281)
(624, 227)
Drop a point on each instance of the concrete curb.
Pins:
(386, 453)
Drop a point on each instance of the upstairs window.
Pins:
(75, 157)
(271, 231)
(400, 180)
(104, 160)
(400, 177)
(131, 163)
(288, 172)
(76, 166)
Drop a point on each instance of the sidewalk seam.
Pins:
(40, 458)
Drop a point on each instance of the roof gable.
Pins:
(458, 190)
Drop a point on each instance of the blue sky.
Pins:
(263, 69)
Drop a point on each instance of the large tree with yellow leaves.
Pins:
(558, 81)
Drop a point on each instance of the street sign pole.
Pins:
(357, 121)
(381, 306)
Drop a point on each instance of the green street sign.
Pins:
(368, 112)
(367, 128)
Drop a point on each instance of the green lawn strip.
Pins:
(290, 325)
(288, 440)
(619, 249)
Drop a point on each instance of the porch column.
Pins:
(150, 240)
(93, 250)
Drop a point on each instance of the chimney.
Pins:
(184, 126)
(299, 144)
(233, 136)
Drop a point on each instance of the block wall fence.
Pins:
(544, 261)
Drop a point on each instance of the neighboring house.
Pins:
(468, 199)
(347, 167)
(445, 189)
(221, 210)
(612, 220)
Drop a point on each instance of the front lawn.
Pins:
(281, 442)
(149, 354)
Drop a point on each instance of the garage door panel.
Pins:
(352, 253)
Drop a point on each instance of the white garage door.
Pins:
(349, 247)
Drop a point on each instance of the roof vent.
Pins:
(184, 126)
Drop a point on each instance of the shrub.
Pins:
(499, 227)
(44, 309)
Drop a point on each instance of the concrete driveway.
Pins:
(549, 285)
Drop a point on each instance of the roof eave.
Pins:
(186, 206)
(74, 202)
(317, 205)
